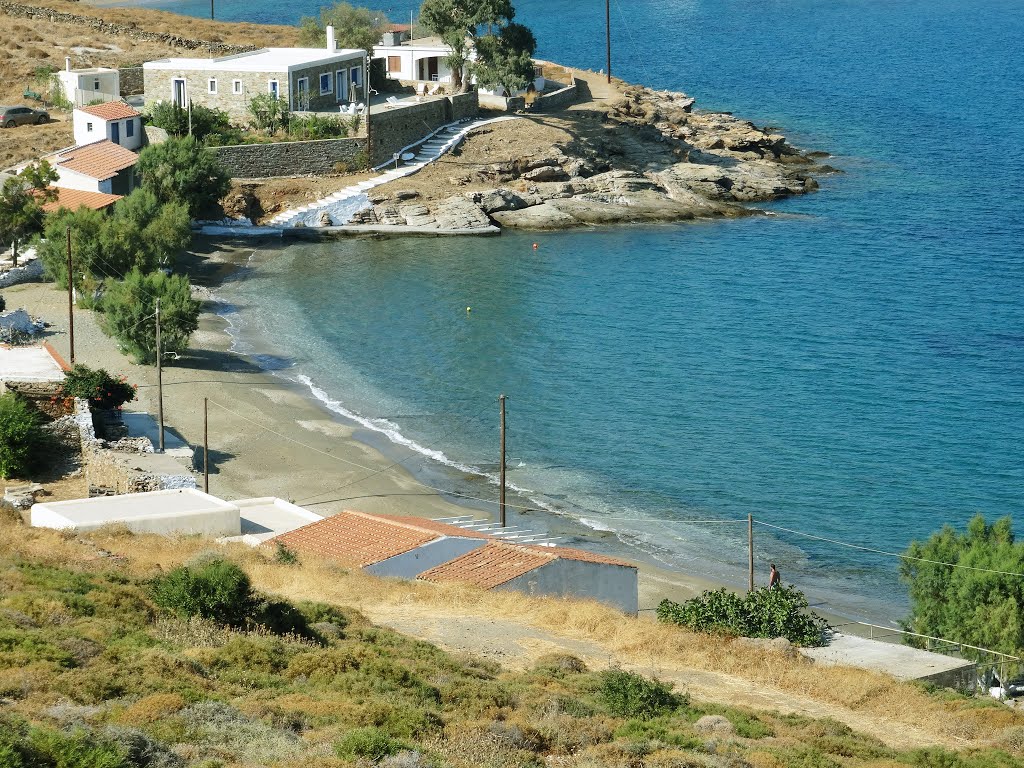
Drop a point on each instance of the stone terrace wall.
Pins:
(288, 158)
(556, 100)
(397, 128)
(132, 31)
(132, 81)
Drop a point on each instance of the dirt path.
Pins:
(518, 645)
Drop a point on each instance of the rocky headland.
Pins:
(637, 156)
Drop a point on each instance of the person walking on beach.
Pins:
(774, 577)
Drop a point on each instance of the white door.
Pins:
(341, 85)
(178, 93)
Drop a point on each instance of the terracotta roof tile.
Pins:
(489, 566)
(111, 110)
(355, 539)
(426, 524)
(73, 199)
(100, 160)
(568, 553)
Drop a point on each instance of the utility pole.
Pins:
(159, 377)
(369, 99)
(750, 552)
(206, 448)
(608, 36)
(211, 9)
(501, 471)
(71, 302)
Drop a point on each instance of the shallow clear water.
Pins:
(852, 367)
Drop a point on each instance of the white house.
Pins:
(101, 166)
(116, 121)
(308, 79)
(420, 60)
(82, 86)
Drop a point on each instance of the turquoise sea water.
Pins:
(851, 367)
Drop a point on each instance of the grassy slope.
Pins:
(82, 645)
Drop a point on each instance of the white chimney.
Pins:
(330, 38)
(67, 63)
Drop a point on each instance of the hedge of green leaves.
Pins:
(777, 612)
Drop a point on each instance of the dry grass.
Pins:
(869, 702)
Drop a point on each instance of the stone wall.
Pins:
(556, 100)
(288, 158)
(158, 84)
(132, 81)
(132, 31)
(396, 129)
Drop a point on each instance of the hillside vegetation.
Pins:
(107, 660)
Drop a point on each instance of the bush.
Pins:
(23, 442)
(102, 390)
(775, 612)
(625, 694)
(217, 590)
(3, 304)
(181, 170)
(129, 309)
(370, 743)
(318, 127)
(175, 120)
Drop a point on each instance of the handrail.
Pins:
(939, 639)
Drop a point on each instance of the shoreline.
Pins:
(247, 460)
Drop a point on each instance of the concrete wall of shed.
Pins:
(612, 584)
(411, 564)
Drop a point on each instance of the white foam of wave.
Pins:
(595, 525)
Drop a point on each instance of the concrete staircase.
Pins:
(341, 205)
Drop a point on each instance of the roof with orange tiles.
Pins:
(111, 110)
(426, 524)
(73, 199)
(100, 160)
(489, 566)
(358, 539)
(497, 563)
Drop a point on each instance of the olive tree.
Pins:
(22, 197)
(353, 27)
(458, 24)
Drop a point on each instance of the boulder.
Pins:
(546, 173)
(715, 725)
(496, 200)
(406, 194)
(543, 216)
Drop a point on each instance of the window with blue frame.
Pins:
(129, 128)
(326, 86)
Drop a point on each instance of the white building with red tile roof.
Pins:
(412, 547)
(101, 166)
(116, 121)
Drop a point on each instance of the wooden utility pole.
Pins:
(608, 35)
(71, 302)
(159, 377)
(369, 99)
(211, 9)
(206, 448)
(750, 552)
(501, 471)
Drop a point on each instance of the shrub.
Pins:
(102, 390)
(268, 113)
(205, 122)
(285, 556)
(75, 750)
(217, 590)
(776, 612)
(318, 127)
(3, 304)
(625, 694)
(370, 743)
(183, 170)
(129, 309)
(23, 442)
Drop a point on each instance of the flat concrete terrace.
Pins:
(35, 363)
(185, 511)
(900, 661)
(267, 517)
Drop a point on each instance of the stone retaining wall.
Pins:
(288, 158)
(395, 129)
(132, 81)
(556, 100)
(132, 31)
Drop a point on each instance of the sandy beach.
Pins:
(268, 438)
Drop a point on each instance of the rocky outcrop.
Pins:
(654, 160)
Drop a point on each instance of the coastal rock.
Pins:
(324, 220)
(546, 173)
(456, 212)
(406, 194)
(543, 216)
(496, 200)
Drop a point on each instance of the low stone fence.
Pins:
(288, 158)
(556, 100)
(391, 130)
(132, 31)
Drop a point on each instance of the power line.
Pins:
(884, 552)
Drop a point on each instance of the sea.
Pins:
(847, 368)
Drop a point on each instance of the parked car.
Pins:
(22, 115)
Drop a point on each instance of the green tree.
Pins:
(139, 233)
(506, 58)
(354, 27)
(982, 601)
(268, 113)
(129, 313)
(458, 24)
(86, 228)
(23, 442)
(182, 170)
(22, 197)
